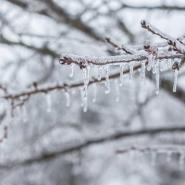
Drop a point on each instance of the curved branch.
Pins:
(94, 141)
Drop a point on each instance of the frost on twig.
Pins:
(176, 44)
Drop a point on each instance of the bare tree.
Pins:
(77, 75)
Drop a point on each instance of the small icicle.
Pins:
(107, 82)
(71, 75)
(85, 104)
(95, 93)
(121, 74)
(131, 68)
(143, 70)
(176, 72)
(150, 62)
(169, 63)
(157, 77)
(48, 102)
(86, 74)
(68, 100)
(117, 91)
(84, 98)
(163, 66)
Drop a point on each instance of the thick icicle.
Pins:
(68, 100)
(143, 70)
(117, 91)
(150, 62)
(48, 101)
(85, 99)
(107, 82)
(176, 72)
(95, 93)
(169, 63)
(86, 75)
(71, 75)
(157, 77)
(131, 68)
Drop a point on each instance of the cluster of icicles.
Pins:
(154, 65)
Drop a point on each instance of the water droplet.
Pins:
(107, 81)
(131, 66)
(71, 75)
(143, 70)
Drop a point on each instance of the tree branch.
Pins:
(94, 141)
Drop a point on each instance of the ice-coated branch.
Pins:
(61, 87)
(116, 46)
(176, 44)
(84, 61)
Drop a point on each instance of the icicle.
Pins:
(95, 93)
(163, 66)
(150, 62)
(143, 70)
(85, 104)
(84, 98)
(121, 74)
(48, 102)
(157, 77)
(68, 100)
(107, 82)
(131, 68)
(169, 63)
(86, 73)
(71, 75)
(175, 80)
(117, 91)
